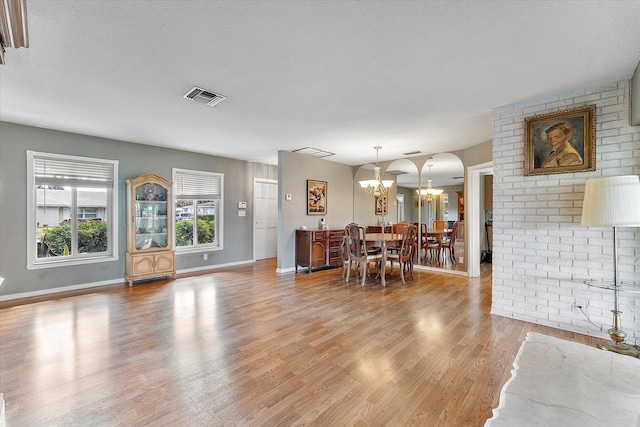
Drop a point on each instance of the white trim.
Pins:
(184, 250)
(219, 245)
(118, 281)
(112, 207)
(474, 216)
(52, 291)
(69, 262)
(285, 270)
(439, 270)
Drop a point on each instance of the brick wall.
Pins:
(541, 253)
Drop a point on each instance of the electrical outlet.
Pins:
(578, 305)
(206, 257)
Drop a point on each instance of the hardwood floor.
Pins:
(246, 347)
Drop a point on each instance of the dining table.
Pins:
(382, 239)
(434, 232)
(438, 233)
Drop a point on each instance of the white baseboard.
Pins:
(51, 291)
(439, 270)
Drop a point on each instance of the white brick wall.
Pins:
(541, 253)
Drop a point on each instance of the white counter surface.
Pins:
(562, 383)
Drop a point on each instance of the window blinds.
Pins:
(73, 172)
(196, 185)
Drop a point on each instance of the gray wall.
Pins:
(293, 173)
(635, 97)
(410, 208)
(135, 159)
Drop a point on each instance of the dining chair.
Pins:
(345, 253)
(359, 254)
(397, 229)
(430, 246)
(440, 224)
(404, 256)
(449, 244)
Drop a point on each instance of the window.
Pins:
(72, 210)
(198, 210)
(84, 213)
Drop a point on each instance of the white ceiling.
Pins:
(342, 76)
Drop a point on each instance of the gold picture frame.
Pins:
(381, 207)
(316, 197)
(561, 142)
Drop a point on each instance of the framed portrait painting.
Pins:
(381, 205)
(316, 197)
(560, 142)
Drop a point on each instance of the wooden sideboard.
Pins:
(316, 249)
(460, 205)
(378, 229)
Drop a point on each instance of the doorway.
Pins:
(265, 228)
(476, 214)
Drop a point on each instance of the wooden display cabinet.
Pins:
(378, 229)
(150, 224)
(318, 248)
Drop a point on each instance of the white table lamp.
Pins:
(613, 202)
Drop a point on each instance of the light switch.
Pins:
(287, 197)
(242, 205)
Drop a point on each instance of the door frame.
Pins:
(255, 183)
(474, 218)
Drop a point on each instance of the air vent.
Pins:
(411, 153)
(204, 96)
(396, 172)
(313, 152)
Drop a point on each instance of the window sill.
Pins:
(71, 262)
(195, 250)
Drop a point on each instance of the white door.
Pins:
(265, 231)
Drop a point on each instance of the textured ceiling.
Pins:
(342, 76)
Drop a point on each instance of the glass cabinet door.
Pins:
(151, 219)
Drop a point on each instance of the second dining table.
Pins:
(383, 239)
(437, 233)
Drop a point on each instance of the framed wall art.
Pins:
(316, 197)
(560, 142)
(381, 205)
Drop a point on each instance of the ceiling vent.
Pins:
(396, 172)
(411, 153)
(313, 152)
(204, 96)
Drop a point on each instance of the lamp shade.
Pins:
(612, 202)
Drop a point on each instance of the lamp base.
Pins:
(620, 348)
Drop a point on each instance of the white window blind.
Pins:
(196, 185)
(72, 172)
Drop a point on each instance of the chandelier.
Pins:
(428, 192)
(377, 185)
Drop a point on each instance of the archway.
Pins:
(443, 176)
